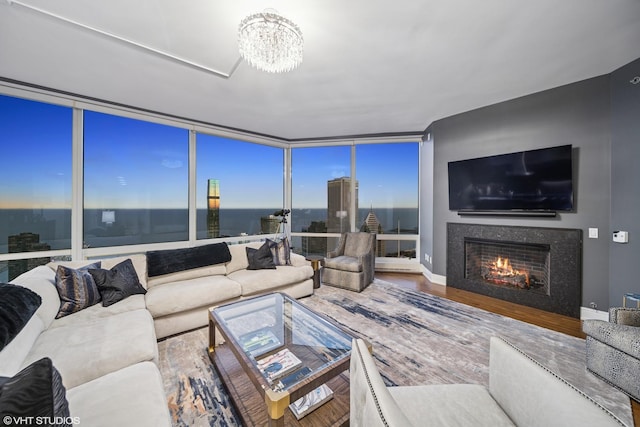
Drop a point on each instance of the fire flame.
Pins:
(502, 267)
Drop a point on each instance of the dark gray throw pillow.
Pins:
(17, 305)
(280, 251)
(261, 258)
(118, 283)
(76, 288)
(36, 391)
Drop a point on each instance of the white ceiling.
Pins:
(369, 66)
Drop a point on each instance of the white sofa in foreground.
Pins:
(521, 393)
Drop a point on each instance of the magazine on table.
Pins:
(259, 342)
(311, 401)
(278, 364)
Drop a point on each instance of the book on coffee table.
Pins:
(311, 401)
(259, 342)
(278, 364)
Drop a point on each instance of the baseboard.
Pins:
(434, 278)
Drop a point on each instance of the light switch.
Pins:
(593, 233)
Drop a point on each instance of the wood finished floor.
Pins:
(556, 322)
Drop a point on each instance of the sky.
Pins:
(135, 164)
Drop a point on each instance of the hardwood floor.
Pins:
(556, 322)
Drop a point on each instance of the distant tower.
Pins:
(371, 224)
(269, 224)
(339, 203)
(315, 245)
(213, 208)
(26, 242)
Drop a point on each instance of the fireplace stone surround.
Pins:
(563, 292)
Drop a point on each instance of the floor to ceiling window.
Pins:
(321, 196)
(388, 195)
(135, 181)
(35, 181)
(239, 186)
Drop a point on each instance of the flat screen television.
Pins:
(533, 180)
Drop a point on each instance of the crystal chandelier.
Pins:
(270, 42)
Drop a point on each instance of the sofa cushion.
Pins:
(76, 288)
(280, 251)
(210, 270)
(17, 305)
(131, 396)
(450, 404)
(118, 283)
(173, 260)
(261, 258)
(98, 311)
(345, 263)
(83, 352)
(259, 281)
(42, 280)
(35, 391)
(184, 295)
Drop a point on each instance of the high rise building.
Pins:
(339, 204)
(26, 242)
(315, 245)
(213, 208)
(371, 224)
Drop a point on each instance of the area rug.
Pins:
(417, 339)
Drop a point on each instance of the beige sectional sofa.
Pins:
(107, 356)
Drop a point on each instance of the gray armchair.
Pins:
(352, 264)
(613, 349)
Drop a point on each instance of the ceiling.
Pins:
(370, 67)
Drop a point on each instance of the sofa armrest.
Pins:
(532, 395)
(624, 316)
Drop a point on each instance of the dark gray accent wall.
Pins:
(625, 181)
(577, 114)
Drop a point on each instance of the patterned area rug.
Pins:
(417, 339)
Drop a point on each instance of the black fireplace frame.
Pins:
(565, 279)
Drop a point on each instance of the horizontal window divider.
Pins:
(37, 254)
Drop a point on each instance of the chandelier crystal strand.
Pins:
(270, 42)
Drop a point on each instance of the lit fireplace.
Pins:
(510, 264)
(535, 266)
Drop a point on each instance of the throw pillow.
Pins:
(17, 305)
(36, 391)
(118, 283)
(76, 288)
(280, 251)
(261, 258)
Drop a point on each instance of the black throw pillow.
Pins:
(17, 305)
(261, 258)
(36, 391)
(76, 288)
(118, 283)
(175, 260)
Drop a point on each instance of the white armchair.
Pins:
(521, 392)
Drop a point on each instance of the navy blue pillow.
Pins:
(118, 283)
(17, 305)
(261, 258)
(37, 392)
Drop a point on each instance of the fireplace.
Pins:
(534, 266)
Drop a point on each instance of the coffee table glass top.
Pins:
(285, 341)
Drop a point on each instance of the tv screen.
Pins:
(534, 180)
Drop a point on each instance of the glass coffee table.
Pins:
(275, 352)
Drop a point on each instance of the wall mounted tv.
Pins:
(526, 181)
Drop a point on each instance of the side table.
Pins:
(316, 265)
